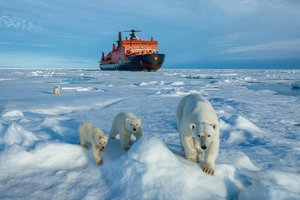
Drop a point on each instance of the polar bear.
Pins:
(89, 134)
(126, 124)
(199, 131)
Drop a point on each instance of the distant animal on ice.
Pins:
(199, 131)
(56, 90)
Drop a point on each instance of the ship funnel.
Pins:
(102, 57)
(119, 39)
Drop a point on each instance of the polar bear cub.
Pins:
(89, 134)
(126, 124)
(199, 131)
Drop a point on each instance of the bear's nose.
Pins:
(203, 147)
(134, 129)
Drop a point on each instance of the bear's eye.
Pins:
(214, 127)
(131, 124)
(198, 135)
(208, 135)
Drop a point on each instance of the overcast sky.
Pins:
(192, 33)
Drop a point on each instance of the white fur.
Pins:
(89, 134)
(126, 124)
(199, 131)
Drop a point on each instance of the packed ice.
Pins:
(40, 158)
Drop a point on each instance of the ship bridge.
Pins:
(135, 45)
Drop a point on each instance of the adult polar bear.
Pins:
(199, 130)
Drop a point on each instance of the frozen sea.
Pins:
(259, 154)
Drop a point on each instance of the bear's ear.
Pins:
(214, 126)
(127, 120)
(192, 126)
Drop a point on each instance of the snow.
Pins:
(14, 114)
(79, 89)
(40, 157)
(16, 134)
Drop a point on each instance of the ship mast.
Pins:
(132, 34)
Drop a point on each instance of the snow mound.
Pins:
(176, 92)
(271, 184)
(13, 115)
(57, 110)
(37, 73)
(198, 76)
(160, 83)
(169, 91)
(16, 134)
(240, 122)
(238, 159)
(249, 79)
(151, 171)
(237, 136)
(177, 83)
(147, 149)
(237, 129)
(79, 89)
(6, 79)
(54, 156)
(53, 124)
(143, 84)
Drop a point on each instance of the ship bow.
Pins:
(149, 62)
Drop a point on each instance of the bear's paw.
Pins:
(99, 162)
(193, 158)
(209, 169)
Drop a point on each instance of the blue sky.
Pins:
(192, 34)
